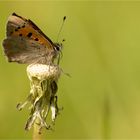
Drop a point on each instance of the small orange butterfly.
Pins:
(26, 43)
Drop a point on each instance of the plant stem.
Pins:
(36, 135)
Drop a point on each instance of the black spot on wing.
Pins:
(23, 26)
(36, 28)
(16, 29)
(36, 39)
(29, 34)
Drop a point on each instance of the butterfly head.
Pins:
(58, 51)
(58, 47)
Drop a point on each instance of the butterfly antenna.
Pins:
(64, 18)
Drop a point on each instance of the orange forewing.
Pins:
(24, 27)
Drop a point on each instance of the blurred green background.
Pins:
(101, 53)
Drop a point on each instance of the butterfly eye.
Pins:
(57, 48)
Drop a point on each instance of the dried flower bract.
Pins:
(43, 98)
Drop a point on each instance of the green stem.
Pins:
(36, 135)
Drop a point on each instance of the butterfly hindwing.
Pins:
(17, 50)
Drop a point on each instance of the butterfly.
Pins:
(27, 44)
